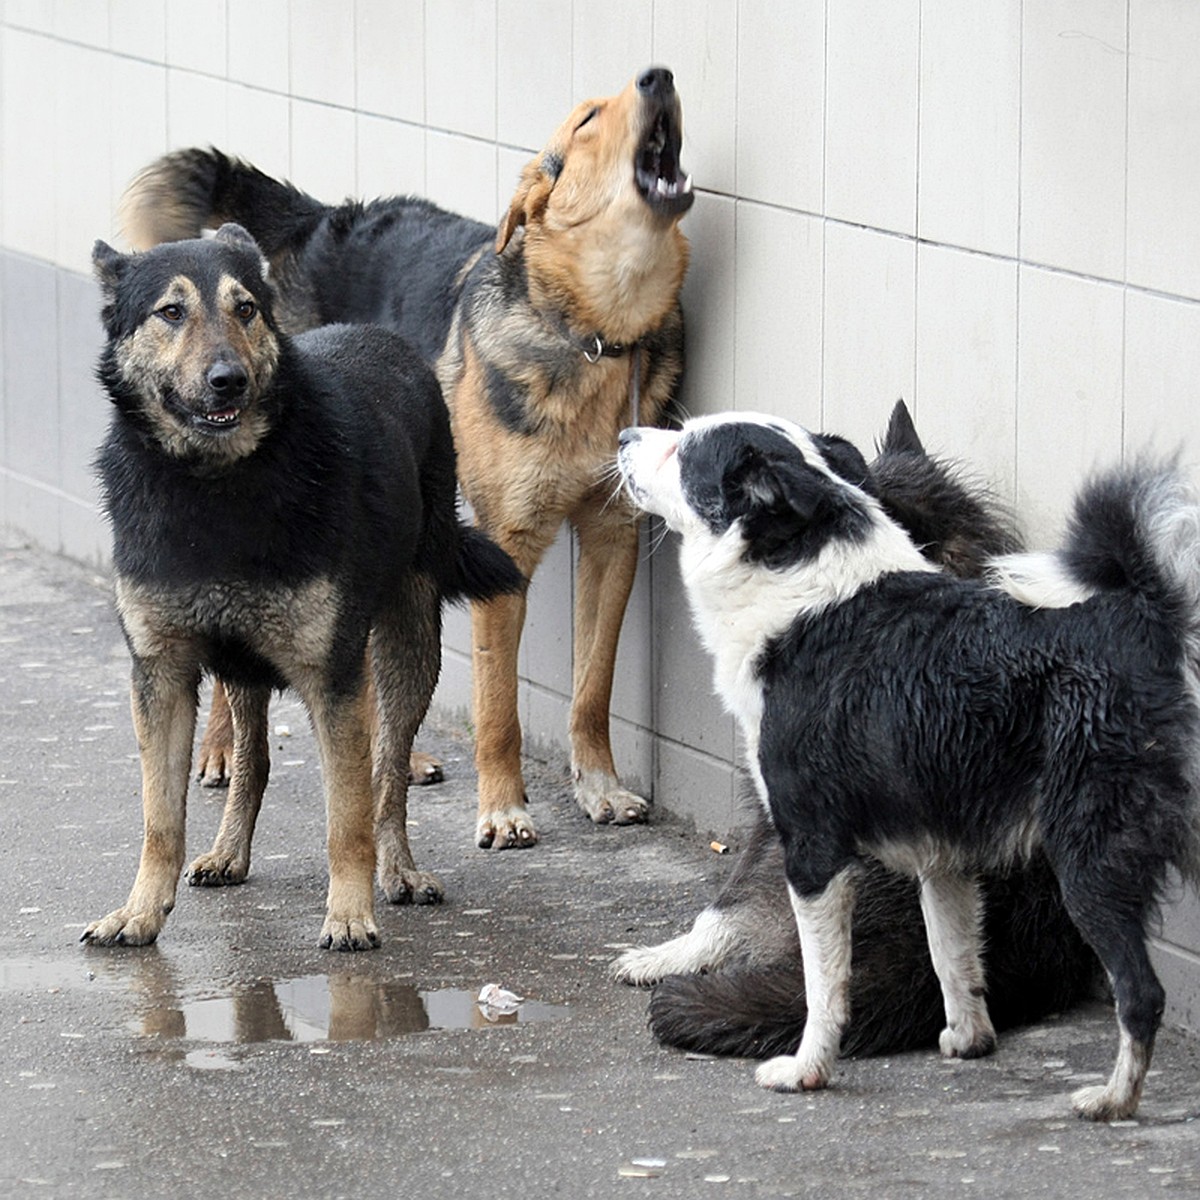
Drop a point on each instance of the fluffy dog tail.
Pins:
(182, 193)
(1138, 528)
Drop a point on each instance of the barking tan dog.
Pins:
(545, 335)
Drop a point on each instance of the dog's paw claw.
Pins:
(411, 887)
(424, 769)
(508, 830)
(351, 934)
(606, 802)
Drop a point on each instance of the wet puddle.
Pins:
(333, 1007)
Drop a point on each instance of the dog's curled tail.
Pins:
(1138, 528)
(184, 192)
(1135, 528)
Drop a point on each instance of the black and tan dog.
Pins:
(540, 333)
(283, 513)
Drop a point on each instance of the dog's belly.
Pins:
(927, 854)
(236, 628)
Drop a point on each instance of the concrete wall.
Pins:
(990, 210)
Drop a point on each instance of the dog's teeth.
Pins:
(687, 184)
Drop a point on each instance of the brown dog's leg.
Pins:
(229, 859)
(608, 552)
(164, 719)
(343, 728)
(406, 656)
(496, 627)
(214, 765)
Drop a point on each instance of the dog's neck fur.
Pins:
(620, 289)
(739, 607)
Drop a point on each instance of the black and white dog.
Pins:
(945, 726)
(734, 982)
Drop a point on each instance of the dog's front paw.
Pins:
(506, 829)
(424, 768)
(349, 933)
(606, 802)
(792, 1073)
(967, 1041)
(410, 886)
(218, 870)
(126, 927)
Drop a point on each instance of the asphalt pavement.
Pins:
(235, 1057)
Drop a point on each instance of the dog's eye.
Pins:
(172, 313)
(246, 309)
(586, 119)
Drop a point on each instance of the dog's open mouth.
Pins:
(656, 167)
(218, 421)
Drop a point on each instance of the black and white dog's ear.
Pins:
(844, 459)
(758, 484)
(789, 509)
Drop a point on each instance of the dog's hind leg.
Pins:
(406, 658)
(608, 552)
(951, 905)
(229, 859)
(214, 764)
(164, 718)
(1115, 930)
(823, 921)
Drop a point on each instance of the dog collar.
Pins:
(595, 348)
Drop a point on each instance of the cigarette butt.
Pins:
(718, 847)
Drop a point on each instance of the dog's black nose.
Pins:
(656, 81)
(227, 379)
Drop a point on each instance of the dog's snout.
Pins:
(656, 81)
(627, 437)
(228, 378)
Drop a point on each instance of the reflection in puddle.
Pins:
(336, 1008)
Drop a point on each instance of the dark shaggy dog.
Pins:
(944, 726)
(734, 983)
(545, 334)
(283, 513)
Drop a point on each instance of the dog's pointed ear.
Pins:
(108, 265)
(233, 234)
(901, 435)
(532, 195)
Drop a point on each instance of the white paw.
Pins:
(1102, 1103)
(968, 1040)
(791, 1073)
